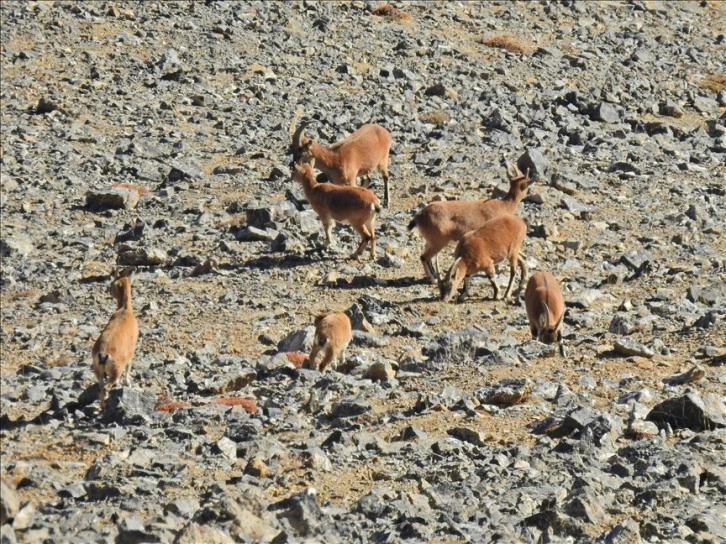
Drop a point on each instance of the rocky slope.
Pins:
(447, 424)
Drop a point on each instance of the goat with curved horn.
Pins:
(356, 155)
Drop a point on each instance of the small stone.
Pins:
(381, 370)
(506, 392)
(256, 467)
(628, 347)
(9, 503)
(112, 199)
(694, 374)
(605, 112)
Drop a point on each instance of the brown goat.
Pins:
(545, 309)
(356, 206)
(356, 155)
(480, 250)
(442, 222)
(332, 335)
(114, 349)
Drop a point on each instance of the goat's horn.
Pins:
(298, 133)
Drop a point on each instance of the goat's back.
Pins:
(498, 238)
(543, 288)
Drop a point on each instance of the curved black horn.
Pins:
(298, 132)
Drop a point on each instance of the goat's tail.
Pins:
(413, 222)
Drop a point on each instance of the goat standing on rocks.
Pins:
(356, 206)
(442, 222)
(358, 154)
(332, 335)
(481, 250)
(114, 349)
(545, 309)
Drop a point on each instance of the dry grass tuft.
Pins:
(510, 43)
(249, 405)
(168, 406)
(436, 117)
(714, 82)
(296, 358)
(387, 10)
(132, 186)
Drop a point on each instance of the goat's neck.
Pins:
(124, 301)
(514, 195)
(325, 159)
(308, 183)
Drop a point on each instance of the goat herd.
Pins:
(486, 231)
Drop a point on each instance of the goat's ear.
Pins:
(311, 162)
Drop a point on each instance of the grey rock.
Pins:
(17, 245)
(690, 411)
(467, 435)
(506, 392)
(9, 503)
(231, 382)
(350, 407)
(141, 256)
(539, 167)
(605, 112)
(128, 406)
(299, 340)
(302, 513)
(628, 347)
(112, 199)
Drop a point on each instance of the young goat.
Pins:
(332, 336)
(358, 154)
(442, 222)
(356, 206)
(114, 349)
(545, 308)
(481, 250)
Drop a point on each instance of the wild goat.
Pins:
(358, 154)
(332, 336)
(114, 349)
(442, 222)
(481, 250)
(545, 308)
(356, 206)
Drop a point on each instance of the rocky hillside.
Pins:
(156, 134)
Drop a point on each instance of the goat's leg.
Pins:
(386, 195)
(127, 374)
(522, 260)
(491, 273)
(328, 226)
(430, 252)
(327, 358)
(465, 290)
(371, 228)
(313, 356)
(363, 231)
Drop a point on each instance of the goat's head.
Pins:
(450, 283)
(518, 181)
(548, 332)
(120, 279)
(299, 143)
(303, 169)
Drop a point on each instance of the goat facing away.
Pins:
(545, 309)
(356, 206)
(332, 335)
(114, 349)
(442, 222)
(480, 250)
(356, 155)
